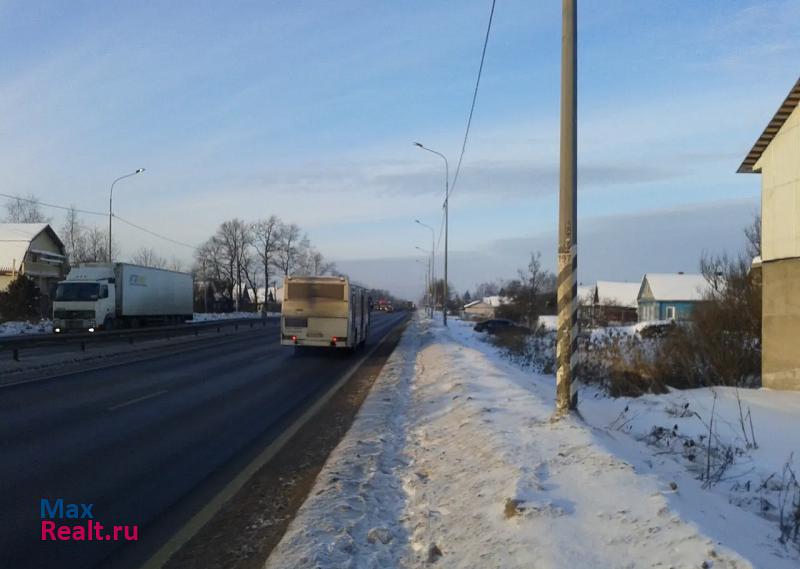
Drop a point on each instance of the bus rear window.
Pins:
(305, 291)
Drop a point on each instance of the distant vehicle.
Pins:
(326, 312)
(498, 325)
(385, 306)
(105, 296)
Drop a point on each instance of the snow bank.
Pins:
(207, 316)
(453, 459)
(16, 328)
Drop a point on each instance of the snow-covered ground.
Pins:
(453, 460)
(46, 326)
(206, 316)
(16, 328)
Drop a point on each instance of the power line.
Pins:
(88, 212)
(153, 233)
(37, 202)
(474, 98)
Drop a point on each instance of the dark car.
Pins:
(498, 325)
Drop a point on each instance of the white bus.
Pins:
(325, 312)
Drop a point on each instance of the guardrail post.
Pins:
(196, 332)
(83, 346)
(251, 325)
(217, 329)
(235, 326)
(16, 354)
(130, 340)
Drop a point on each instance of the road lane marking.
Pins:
(137, 400)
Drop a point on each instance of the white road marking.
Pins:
(132, 401)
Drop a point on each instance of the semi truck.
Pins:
(105, 296)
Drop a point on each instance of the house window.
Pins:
(670, 313)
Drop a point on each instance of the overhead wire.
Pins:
(103, 214)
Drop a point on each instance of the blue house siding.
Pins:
(650, 310)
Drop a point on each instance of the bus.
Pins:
(328, 312)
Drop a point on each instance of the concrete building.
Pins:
(670, 296)
(776, 156)
(34, 250)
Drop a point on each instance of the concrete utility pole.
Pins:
(567, 339)
(110, 197)
(446, 221)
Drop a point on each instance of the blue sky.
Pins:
(308, 110)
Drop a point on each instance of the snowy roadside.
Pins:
(453, 460)
(46, 326)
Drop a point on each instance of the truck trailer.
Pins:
(105, 296)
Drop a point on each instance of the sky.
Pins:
(308, 110)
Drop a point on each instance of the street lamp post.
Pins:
(431, 279)
(446, 221)
(433, 261)
(110, 197)
(427, 281)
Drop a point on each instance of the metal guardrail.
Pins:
(15, 344)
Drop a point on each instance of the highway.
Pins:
(147, 442)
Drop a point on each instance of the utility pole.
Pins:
(567, 338)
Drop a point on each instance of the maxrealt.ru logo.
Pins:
(68, 521)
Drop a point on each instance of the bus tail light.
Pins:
(333, 340)
(294, 339)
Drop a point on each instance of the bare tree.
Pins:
(176, 264)
(97, 246)
(291, 244)
(147, 257)
(752, 234)
(25, 210)
(73, 236)
(265, 240)
(235, 238)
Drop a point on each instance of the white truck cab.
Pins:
(86, 300)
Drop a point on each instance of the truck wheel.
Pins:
(108, 323)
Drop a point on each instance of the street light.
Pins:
(427, 282)
(433, 260)
(432, 295)
(110, 197)
(446, 215)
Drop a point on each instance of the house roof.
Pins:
(612, 293)
(495, 301)
(783, 112)
(675, 286)
(15, 239)
(473, 303)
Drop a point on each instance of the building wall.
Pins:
(650, 310)
(780, 192)
(780, 367)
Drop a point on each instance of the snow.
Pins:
(454, 456)
(16, 328)
(548, 322)
(674, 287)
(207, 316)
(611, 293)
(46, 326)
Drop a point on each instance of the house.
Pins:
(615, 303)
(484, 308)
(776, 156)
(670, 296)
(34, 250)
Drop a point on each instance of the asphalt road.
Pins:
(146, 442)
